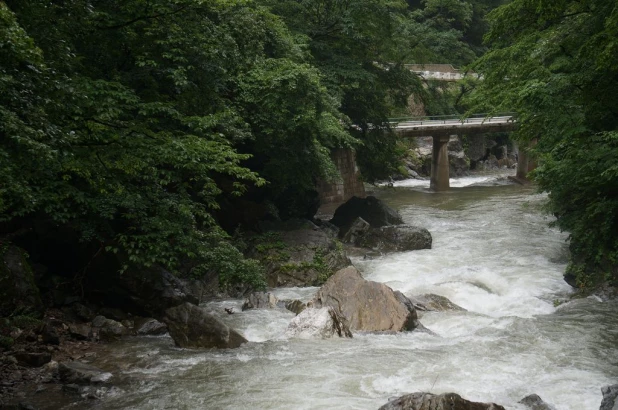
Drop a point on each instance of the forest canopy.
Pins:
(136, 125)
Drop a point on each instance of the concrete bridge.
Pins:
(441, 128)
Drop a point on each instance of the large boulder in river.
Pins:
(192, 327)
(297, 253)
(387, 238)
(610, 397)
(321, 323)
(18, 290)
(371, 209)
(428, 401)
(368, 306)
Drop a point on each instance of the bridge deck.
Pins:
(448, 126)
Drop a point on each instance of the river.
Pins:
(493, 254)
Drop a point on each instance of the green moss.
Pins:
(24, 321)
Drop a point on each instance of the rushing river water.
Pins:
(493, 254)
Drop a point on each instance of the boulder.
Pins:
(149, 327)
(357, 231)
(534, 402)
(113, 313)
(371, 209)
(610, 397)
(297, 253)
(192, 327)
(295, 305)
(80, 331)
(108, 329)
(81, 373)
(368, 306)
(428, 401)
(83, 312)
(392, 238)
(49, 334)
(435, 303)
(142, 292)
(32, 359)
(260, 300)
(18, 290)
(321, 323)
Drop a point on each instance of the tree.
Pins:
(134, 143)
(357, 46)
(556, 64)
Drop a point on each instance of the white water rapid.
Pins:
(493, 254)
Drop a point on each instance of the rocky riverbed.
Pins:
(492, 324)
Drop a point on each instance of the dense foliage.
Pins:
(121, 119)
(556, 64)
(134, 126)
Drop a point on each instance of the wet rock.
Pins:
(434, 303)
(297, 253)
(192, 327)
(81, 373)
(357, 231)
(83, 312)
(113, 313)
(32, 359)
(610, 397)
(49, 334)
(143, 292)
(371, 209)
(18, 290)
(129, 324)
(321, 323)
(51, 370)
(80, 331)
(395, 238)
(71, 388)
(368, 306)
(108, 329)
(295, 306)
(534, 402)
(150, 327)
(387, 238)
(260, 300)
(428, 401)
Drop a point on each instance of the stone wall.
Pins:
(350, 183)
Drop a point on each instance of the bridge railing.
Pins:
(453, 119)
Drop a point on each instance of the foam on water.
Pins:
(493, 254)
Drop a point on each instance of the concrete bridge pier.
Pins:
(439, 164)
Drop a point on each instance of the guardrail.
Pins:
(453, 119)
